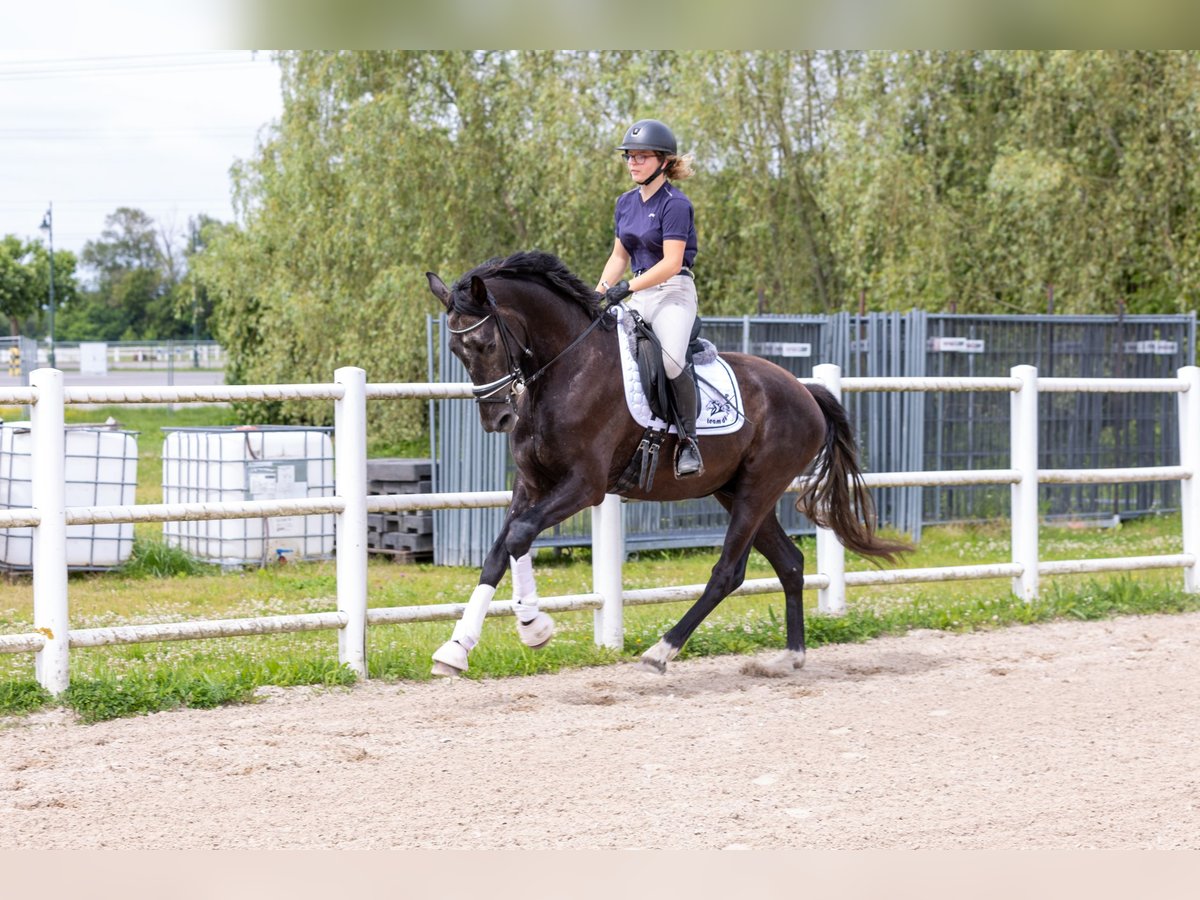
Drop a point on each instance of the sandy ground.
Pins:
(1072, 735)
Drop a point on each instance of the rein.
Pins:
(516, 381)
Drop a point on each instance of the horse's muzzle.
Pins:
(501, 419)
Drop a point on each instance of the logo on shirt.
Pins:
(650, 215)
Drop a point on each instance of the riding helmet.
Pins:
(649, 134)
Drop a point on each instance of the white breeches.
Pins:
(671, 308)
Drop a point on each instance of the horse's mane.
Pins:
(528, 265)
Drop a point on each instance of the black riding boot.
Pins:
(687, 459)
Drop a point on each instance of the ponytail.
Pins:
(677, 168)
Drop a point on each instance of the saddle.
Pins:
(653, 372)
(656, 386)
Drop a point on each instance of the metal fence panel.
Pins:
(897, 431)
(1078, 430)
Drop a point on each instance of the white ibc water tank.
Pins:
(101, 470)
(214, 465)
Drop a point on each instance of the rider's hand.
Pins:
(617, 292)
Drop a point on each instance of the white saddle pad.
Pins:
(720, 398)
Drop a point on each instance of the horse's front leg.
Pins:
(569, 496)
(534, 627)
(450, 659)
(516, 538)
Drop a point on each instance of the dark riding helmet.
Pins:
(650, 134)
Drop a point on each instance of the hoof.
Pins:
(779, 666)
(653, 665)
(788, 659)
(537, 633)
(656, 658)
(450, 659)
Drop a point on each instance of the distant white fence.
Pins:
(179, 354)
(53, 638)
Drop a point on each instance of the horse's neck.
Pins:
(550, 328)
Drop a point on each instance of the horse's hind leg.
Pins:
(788, 562)
(727, 576)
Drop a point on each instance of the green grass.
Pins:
(22, 695)
(155, 559)
(111, 695)
(160, 584)
(141, 678)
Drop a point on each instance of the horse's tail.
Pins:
(836, 496)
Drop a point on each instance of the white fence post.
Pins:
(1024, 451)
(831, 555)
(608, 557)
(350, 476)
(51, 615)
(1189, 458)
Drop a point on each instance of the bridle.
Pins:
(516, 381)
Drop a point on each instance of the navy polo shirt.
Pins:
(642, 227)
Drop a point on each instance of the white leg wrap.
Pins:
(526, 610)
(470, 626)
(525, 598)
(522, 577)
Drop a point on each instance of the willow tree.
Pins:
(760, 123)
(931, 179)
(388, 164)
(981, 179)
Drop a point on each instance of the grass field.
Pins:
(162, 585)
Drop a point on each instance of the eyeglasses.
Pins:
(638, 158)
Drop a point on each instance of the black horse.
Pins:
(546, 371)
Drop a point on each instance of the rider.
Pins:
(656, 237)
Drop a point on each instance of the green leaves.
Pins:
(950, 179)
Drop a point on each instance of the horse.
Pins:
(538, 346)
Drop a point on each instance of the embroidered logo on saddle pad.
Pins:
(720, 398)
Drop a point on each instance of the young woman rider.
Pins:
(656, 240)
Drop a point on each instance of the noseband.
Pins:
(515, 381)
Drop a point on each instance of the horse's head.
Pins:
(478, 338)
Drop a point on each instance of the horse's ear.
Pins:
(479, 291)
(439, 288)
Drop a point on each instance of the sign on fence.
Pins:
(1152, 348)
(780, 348)
(955, 345)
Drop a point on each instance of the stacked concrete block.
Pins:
(406, 536)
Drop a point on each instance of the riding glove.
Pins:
(617, 292)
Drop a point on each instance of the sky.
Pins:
(133, 106)
(91, 128)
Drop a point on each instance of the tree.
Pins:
(136, 295)
(25, 283)
(949, 179)
(17, 298)
(193, 303)
(978, 178)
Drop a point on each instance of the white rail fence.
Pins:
(53, 638)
